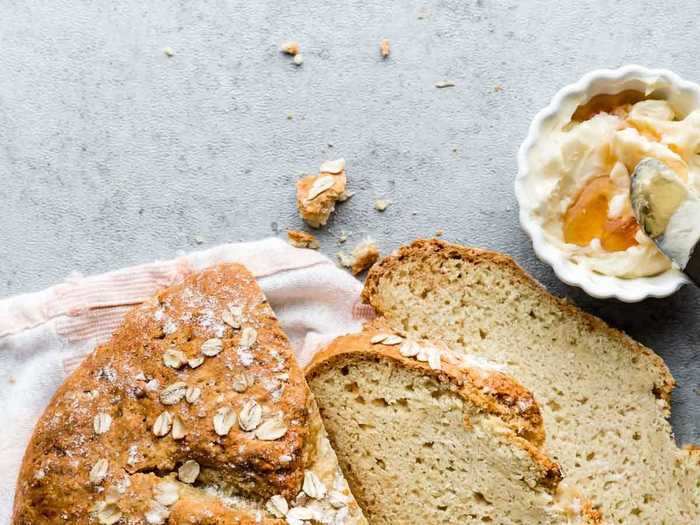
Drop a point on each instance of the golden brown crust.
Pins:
(300, 239)
(432, 247)
(365, 254)
(592, 516)
(493, 392)
(125, 379)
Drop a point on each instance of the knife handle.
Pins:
(692, 269)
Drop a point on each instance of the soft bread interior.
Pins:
(605, 398)
(415, 451)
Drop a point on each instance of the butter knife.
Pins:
(668, 211)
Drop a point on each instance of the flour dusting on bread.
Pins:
(195, 409)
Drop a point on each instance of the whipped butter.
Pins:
(579, 183)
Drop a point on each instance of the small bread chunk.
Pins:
(290, 47)
(605, 398)
(317, 194)
(194, 412)
(301, 239)
(381, 204)
(443, 440)
(364, 255)
(384, 48)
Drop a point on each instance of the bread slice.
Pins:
(194, 412)
(605, 398)
(425, 438)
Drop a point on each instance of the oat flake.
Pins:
(195, 362)
(248, 337)
(212, 347)
(242, 382)
(101, 423)
(174, 358)
(179, 430)
(166, 492)
(157, 513)
(409, 349)
(271, 430)
(319, 186)
(173, 393)
(250, 416)
(277, 506)
(332, 166)
(162, 424)
(109, 514)
(99, 471)
(313, 486)
(189, 471)
(223, 420)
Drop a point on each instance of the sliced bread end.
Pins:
(426, 441)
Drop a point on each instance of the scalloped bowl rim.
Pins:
(594, 284)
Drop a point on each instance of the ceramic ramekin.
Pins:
(683, 95)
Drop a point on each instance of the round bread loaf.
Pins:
(194, 412)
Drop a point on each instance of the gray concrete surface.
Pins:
(112, 153)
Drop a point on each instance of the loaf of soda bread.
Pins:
(195, 412)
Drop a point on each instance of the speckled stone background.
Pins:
(113, 154)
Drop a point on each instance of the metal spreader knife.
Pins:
(669, 213)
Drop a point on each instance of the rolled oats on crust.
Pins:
(195, 411)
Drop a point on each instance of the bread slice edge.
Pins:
(433, 247)
(493, 392)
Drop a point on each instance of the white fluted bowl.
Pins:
(683, 95)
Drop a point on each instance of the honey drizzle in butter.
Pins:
(618, 104)
(587, 219)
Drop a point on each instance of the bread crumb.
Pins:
(301, 239)
(345, 259)
(364, 255)
(199, 239)
(444, 84)
(384, 48)
(381, 204)
(168, 52)
(498, 88)
(317, 194)
(343, 237)
(298, 59)
(439, 233)
(290, 47)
